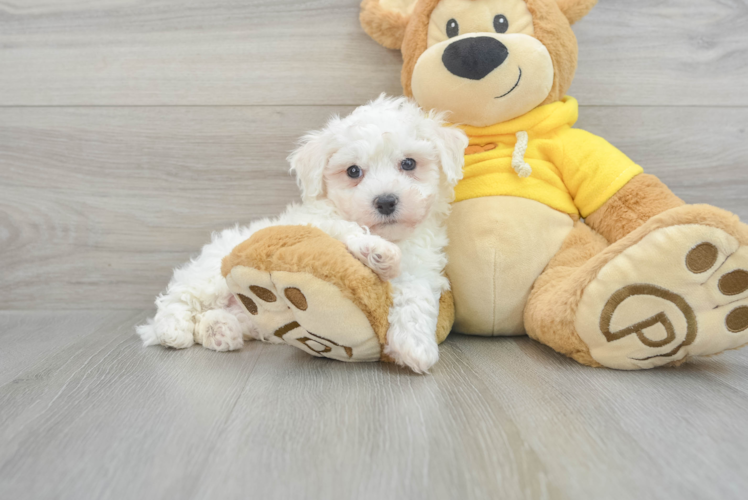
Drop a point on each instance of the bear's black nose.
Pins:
(474, 58)
(386, 203)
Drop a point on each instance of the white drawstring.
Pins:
(518, 156)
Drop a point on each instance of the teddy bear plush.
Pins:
(554, 232)
(644, 281)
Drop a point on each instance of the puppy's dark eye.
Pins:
(408, 164)
(500, 23)
(453, 29)
(354, 172)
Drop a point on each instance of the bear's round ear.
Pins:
(575, 10)
(385, 20)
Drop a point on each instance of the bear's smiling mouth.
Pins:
(513, 88)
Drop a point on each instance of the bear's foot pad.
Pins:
(301, 310)
(681, 291)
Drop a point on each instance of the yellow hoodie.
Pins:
(573, 171)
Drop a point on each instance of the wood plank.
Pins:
(669, 433)
(106, 418)
(96, 202)
(186, 52)
(119, 52)
(29, 340)
(497, 418)
(97, 205)
(669, 52)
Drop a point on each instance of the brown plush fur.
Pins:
(574, 10)
(415, 41)
(307, 249)
(385, 26)
(552, 306)
(554, 31)
(638, 201)
(446, 316)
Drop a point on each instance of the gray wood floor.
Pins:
(130, 130)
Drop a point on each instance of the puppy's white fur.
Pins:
(197, 305)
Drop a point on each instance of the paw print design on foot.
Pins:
(681, 291)
(257, 293)
(293, 306)
(303, 288)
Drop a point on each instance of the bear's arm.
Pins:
(641, 198)
(592, 169)
(611, 191)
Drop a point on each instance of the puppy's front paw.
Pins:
(220, 331)
(417, 352)
(378, 254)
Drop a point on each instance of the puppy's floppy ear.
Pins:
(308, 163)
(385, 20)
(451, 142)
(575, 10)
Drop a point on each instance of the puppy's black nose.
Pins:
(474, 58)
(386, 203)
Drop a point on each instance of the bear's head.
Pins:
(482, 61)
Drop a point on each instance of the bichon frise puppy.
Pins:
(379, 180)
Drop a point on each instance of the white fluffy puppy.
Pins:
(380, 180)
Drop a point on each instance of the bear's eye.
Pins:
(354, 172)
(453, 29)
(500, 23)
(408, 164)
